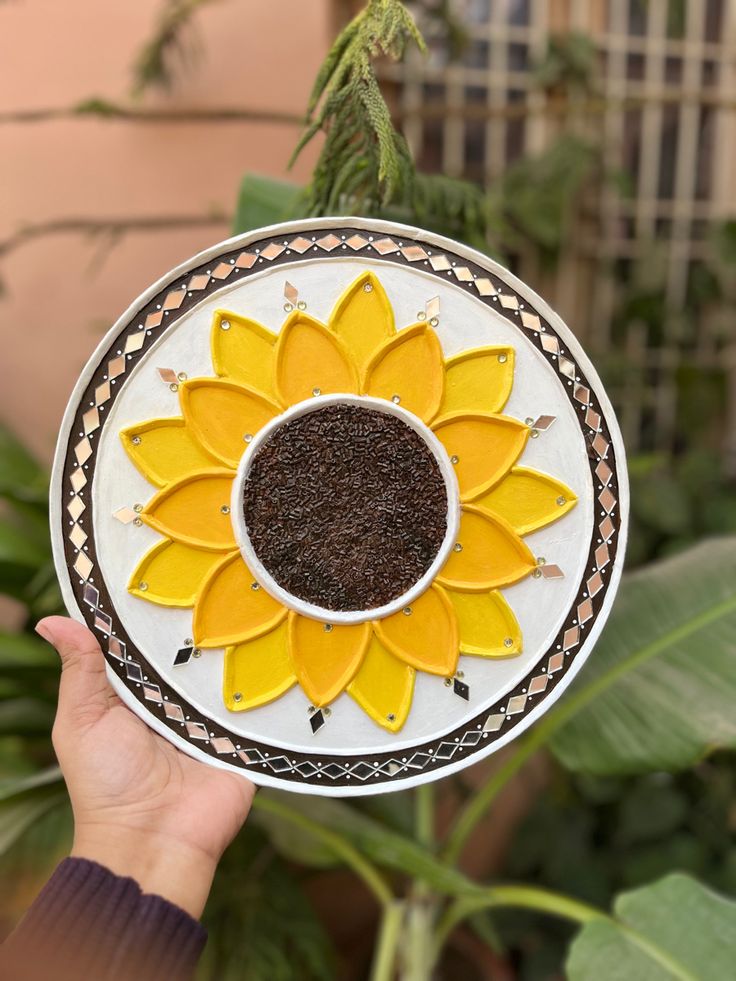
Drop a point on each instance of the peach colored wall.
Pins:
(63, 291)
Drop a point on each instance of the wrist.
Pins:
(161, 864)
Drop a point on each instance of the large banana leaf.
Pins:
(659, 691)
(672, 929)
(264, 201)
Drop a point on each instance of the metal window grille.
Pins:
(664, 112)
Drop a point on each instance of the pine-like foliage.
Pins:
(364, 160)
(153, 65)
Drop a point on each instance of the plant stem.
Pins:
(350, 855)
(518, 897)
(562, 713)
(424, 814)
(388, 941)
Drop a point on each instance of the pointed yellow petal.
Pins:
(528, 500)
(363, 318)
(479, 380)
(191, 510)
(482, 447)
(383, 687)
(220, 414)
(229, 610)
(409, 366)
(326, 656)
(423, 634)
(172, 574)
(488, 627)
(242, 349)
(164, 450)
(311, 360)
(257, 671)
(491, 554)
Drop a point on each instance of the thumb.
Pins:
(84, 691)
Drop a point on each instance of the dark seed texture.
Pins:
(345, 507)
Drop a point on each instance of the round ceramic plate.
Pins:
(345, 504)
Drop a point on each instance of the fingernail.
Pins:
(44, 632)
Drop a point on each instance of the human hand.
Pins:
(141, 807)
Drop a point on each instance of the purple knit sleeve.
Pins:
(89, 923)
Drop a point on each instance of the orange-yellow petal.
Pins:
(488, 627)
(409, 366)
(172, 574)
(257, 671)
(490, 554)
(479, 380)
(243, 350)
(363, 318)
(482, 447)
(424, 634)
(221, 414)
(164, 450)
(232, 607)
(528, 500)
(311, 360)
(326, 656)
(195, 510)
(383, 687)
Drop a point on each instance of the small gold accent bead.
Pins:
(248, 437)
(255, 586)
(508, 642)
(541, 560)
(454, 458)
(225, 509)
(288, 307)
(137, 522)
(328, 628)
(561, 501)
(327, 712)
(537, 574)
(143, 586)
(302, 305)
(535, 434)
(396, 399)
(448, 682)
(391, 717)
(457, 547)
(188, 641)
(224, 325)
(237, 696)
(137, 508)
(368, 287)
(174, 387)
(196, 652)
(136, 441)
(316, 391)
(502, 358)
(434, 321)
(182, 376)
(407, 611)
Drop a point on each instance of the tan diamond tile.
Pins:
(222, 270)
(272, 250)
(485, 287)
(385, 246)
(245, 260)
(175, 298)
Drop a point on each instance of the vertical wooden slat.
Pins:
(651, 129)
(497, 91)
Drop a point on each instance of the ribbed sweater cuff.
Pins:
(88, 922)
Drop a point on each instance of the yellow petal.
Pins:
(311, 360)
(221, 413)
(383, 687)
(488, 627)
(528, 500)
(191, 510)
(257, 671)
(363, 318)
(172, 574)
(479, 380)
(229, 610)
(409, 366)
(491, 554)
(482, 447)
(423, 634)
(326, 656)
(243, 350)
(164, 450)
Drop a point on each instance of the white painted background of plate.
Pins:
(539, 604)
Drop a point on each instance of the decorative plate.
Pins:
(344, 502)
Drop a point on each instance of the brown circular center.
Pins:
(345, 507)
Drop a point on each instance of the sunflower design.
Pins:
(277, 631)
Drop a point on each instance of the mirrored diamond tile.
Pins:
(543, 423)
(333, 771)
(592, 419)
(555, 663)
(551, 571)
(183, 655)
(103, 393)
(198, 282)
(152, 693)
(356, 242)
(603, 472)
(595, 584)
(461, 689)
(116, 648)
(300, 245)
(606, 529)
(328, 242)
(291, 293)
(279, 764)
(307, 769)
(135, 342)
(76, 507)
(445, 751)
(83, 565)
(463, 274)
(362, 771)
(197, 731)
(567, 367)
(174, 712)
(91, 596)
(317, 720)
(223, 744)
(222, 270)
(607, 500)
(174, 299)
(418, 761)
(245, 260)
(413, 253)
(77, 536)
(571, 638)
(91, 420)
(116, 367)
(585, 611)
(582, 394)
(384, 246)
(516, 705)
(471, 738)
(103, 622)
(272, 251)
(154, 319)
(83, 451)
(78, 480)
(509, 301)
(440, 263)
(493, 723)
(133, 671)
(550, 344)
(602, 555)
(537, 684)
(125, 515)
(485, 287)
(600, 445)
(530, 320)
(168, 376)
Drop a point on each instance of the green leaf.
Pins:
(25, 651)
(658, 692)
(21, 477)
(26, 716)
(674, 928)
(24, 801)
(264, 201)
